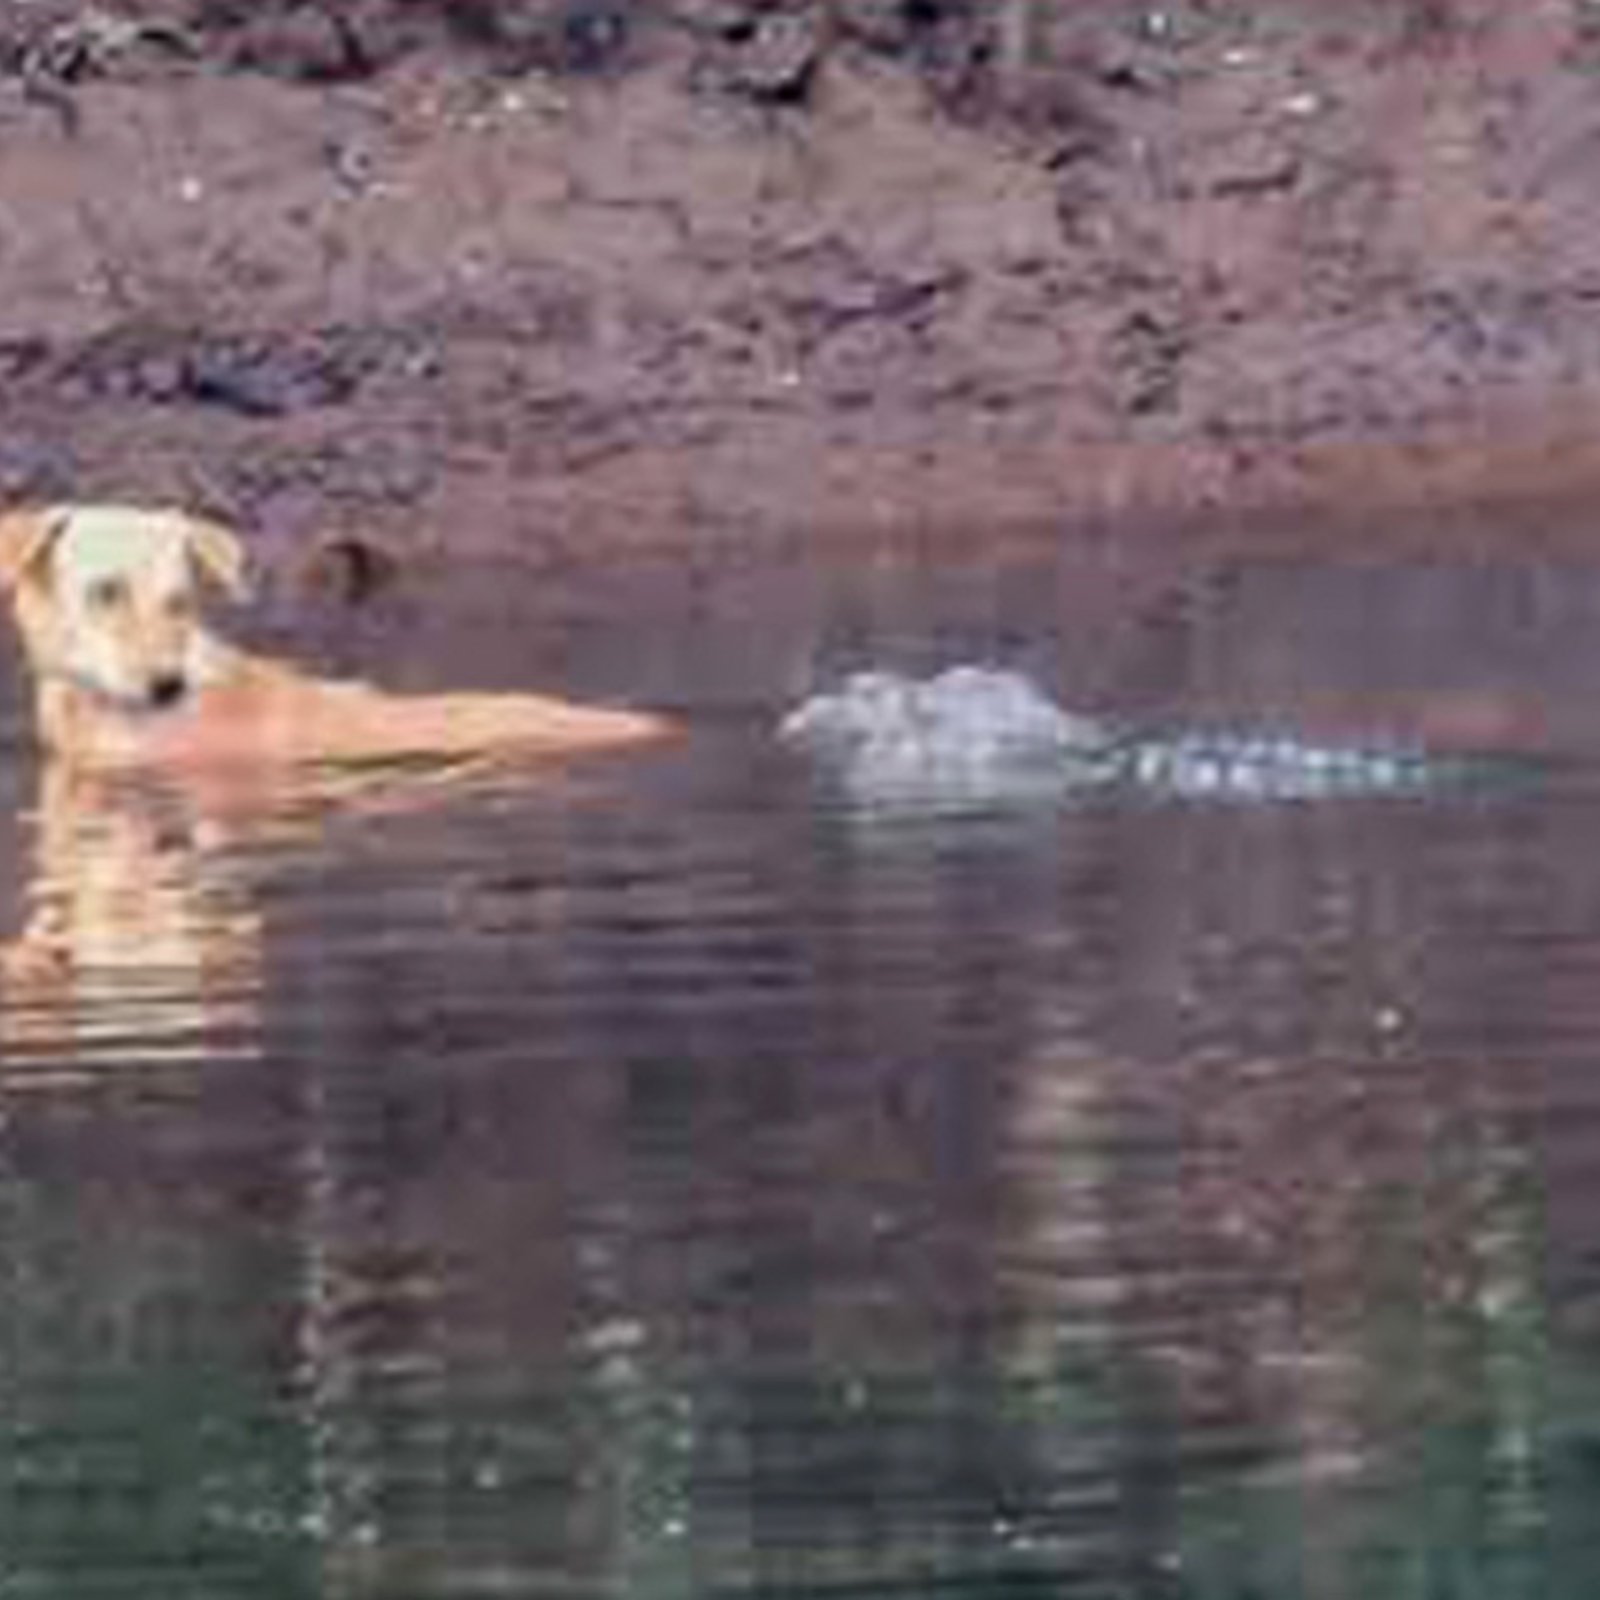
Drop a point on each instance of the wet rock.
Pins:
(592, 37)
(264, 380)
(1146, 355)
(34, 468)
(318, 40)
(261, 377)
(307, 43)
(161, 378)
(714, 18)
(564, 36)
(883, 24)
(772, 58)
(65, 44)
(930, 28)
(1269, 172)
(22, 357)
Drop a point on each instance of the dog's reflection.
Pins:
(140, 937)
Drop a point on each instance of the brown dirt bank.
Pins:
(558, 276)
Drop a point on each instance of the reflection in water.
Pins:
(647, 1182)
(135, 942)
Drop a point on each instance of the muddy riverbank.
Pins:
(562, 277)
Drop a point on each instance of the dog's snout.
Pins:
(167, 688)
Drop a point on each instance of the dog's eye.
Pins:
(178, 606)
(106, 594)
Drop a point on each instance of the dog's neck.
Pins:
(74, 721)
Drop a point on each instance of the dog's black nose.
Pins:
(167, 689)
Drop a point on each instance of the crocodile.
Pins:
(976, 737)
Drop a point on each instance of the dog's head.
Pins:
(106, 597)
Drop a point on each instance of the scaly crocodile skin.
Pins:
(982, 736)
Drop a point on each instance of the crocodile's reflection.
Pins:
(140, 937)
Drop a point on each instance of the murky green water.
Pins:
(645, 1181)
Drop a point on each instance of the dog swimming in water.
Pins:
(107, 600)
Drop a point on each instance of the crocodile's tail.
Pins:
(1242, 766)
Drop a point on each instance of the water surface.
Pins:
(643, 1179)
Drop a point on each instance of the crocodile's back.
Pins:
(978, 736)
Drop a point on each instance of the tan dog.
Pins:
(107, 600)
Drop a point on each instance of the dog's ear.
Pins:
(219, 554)
(25, 541)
